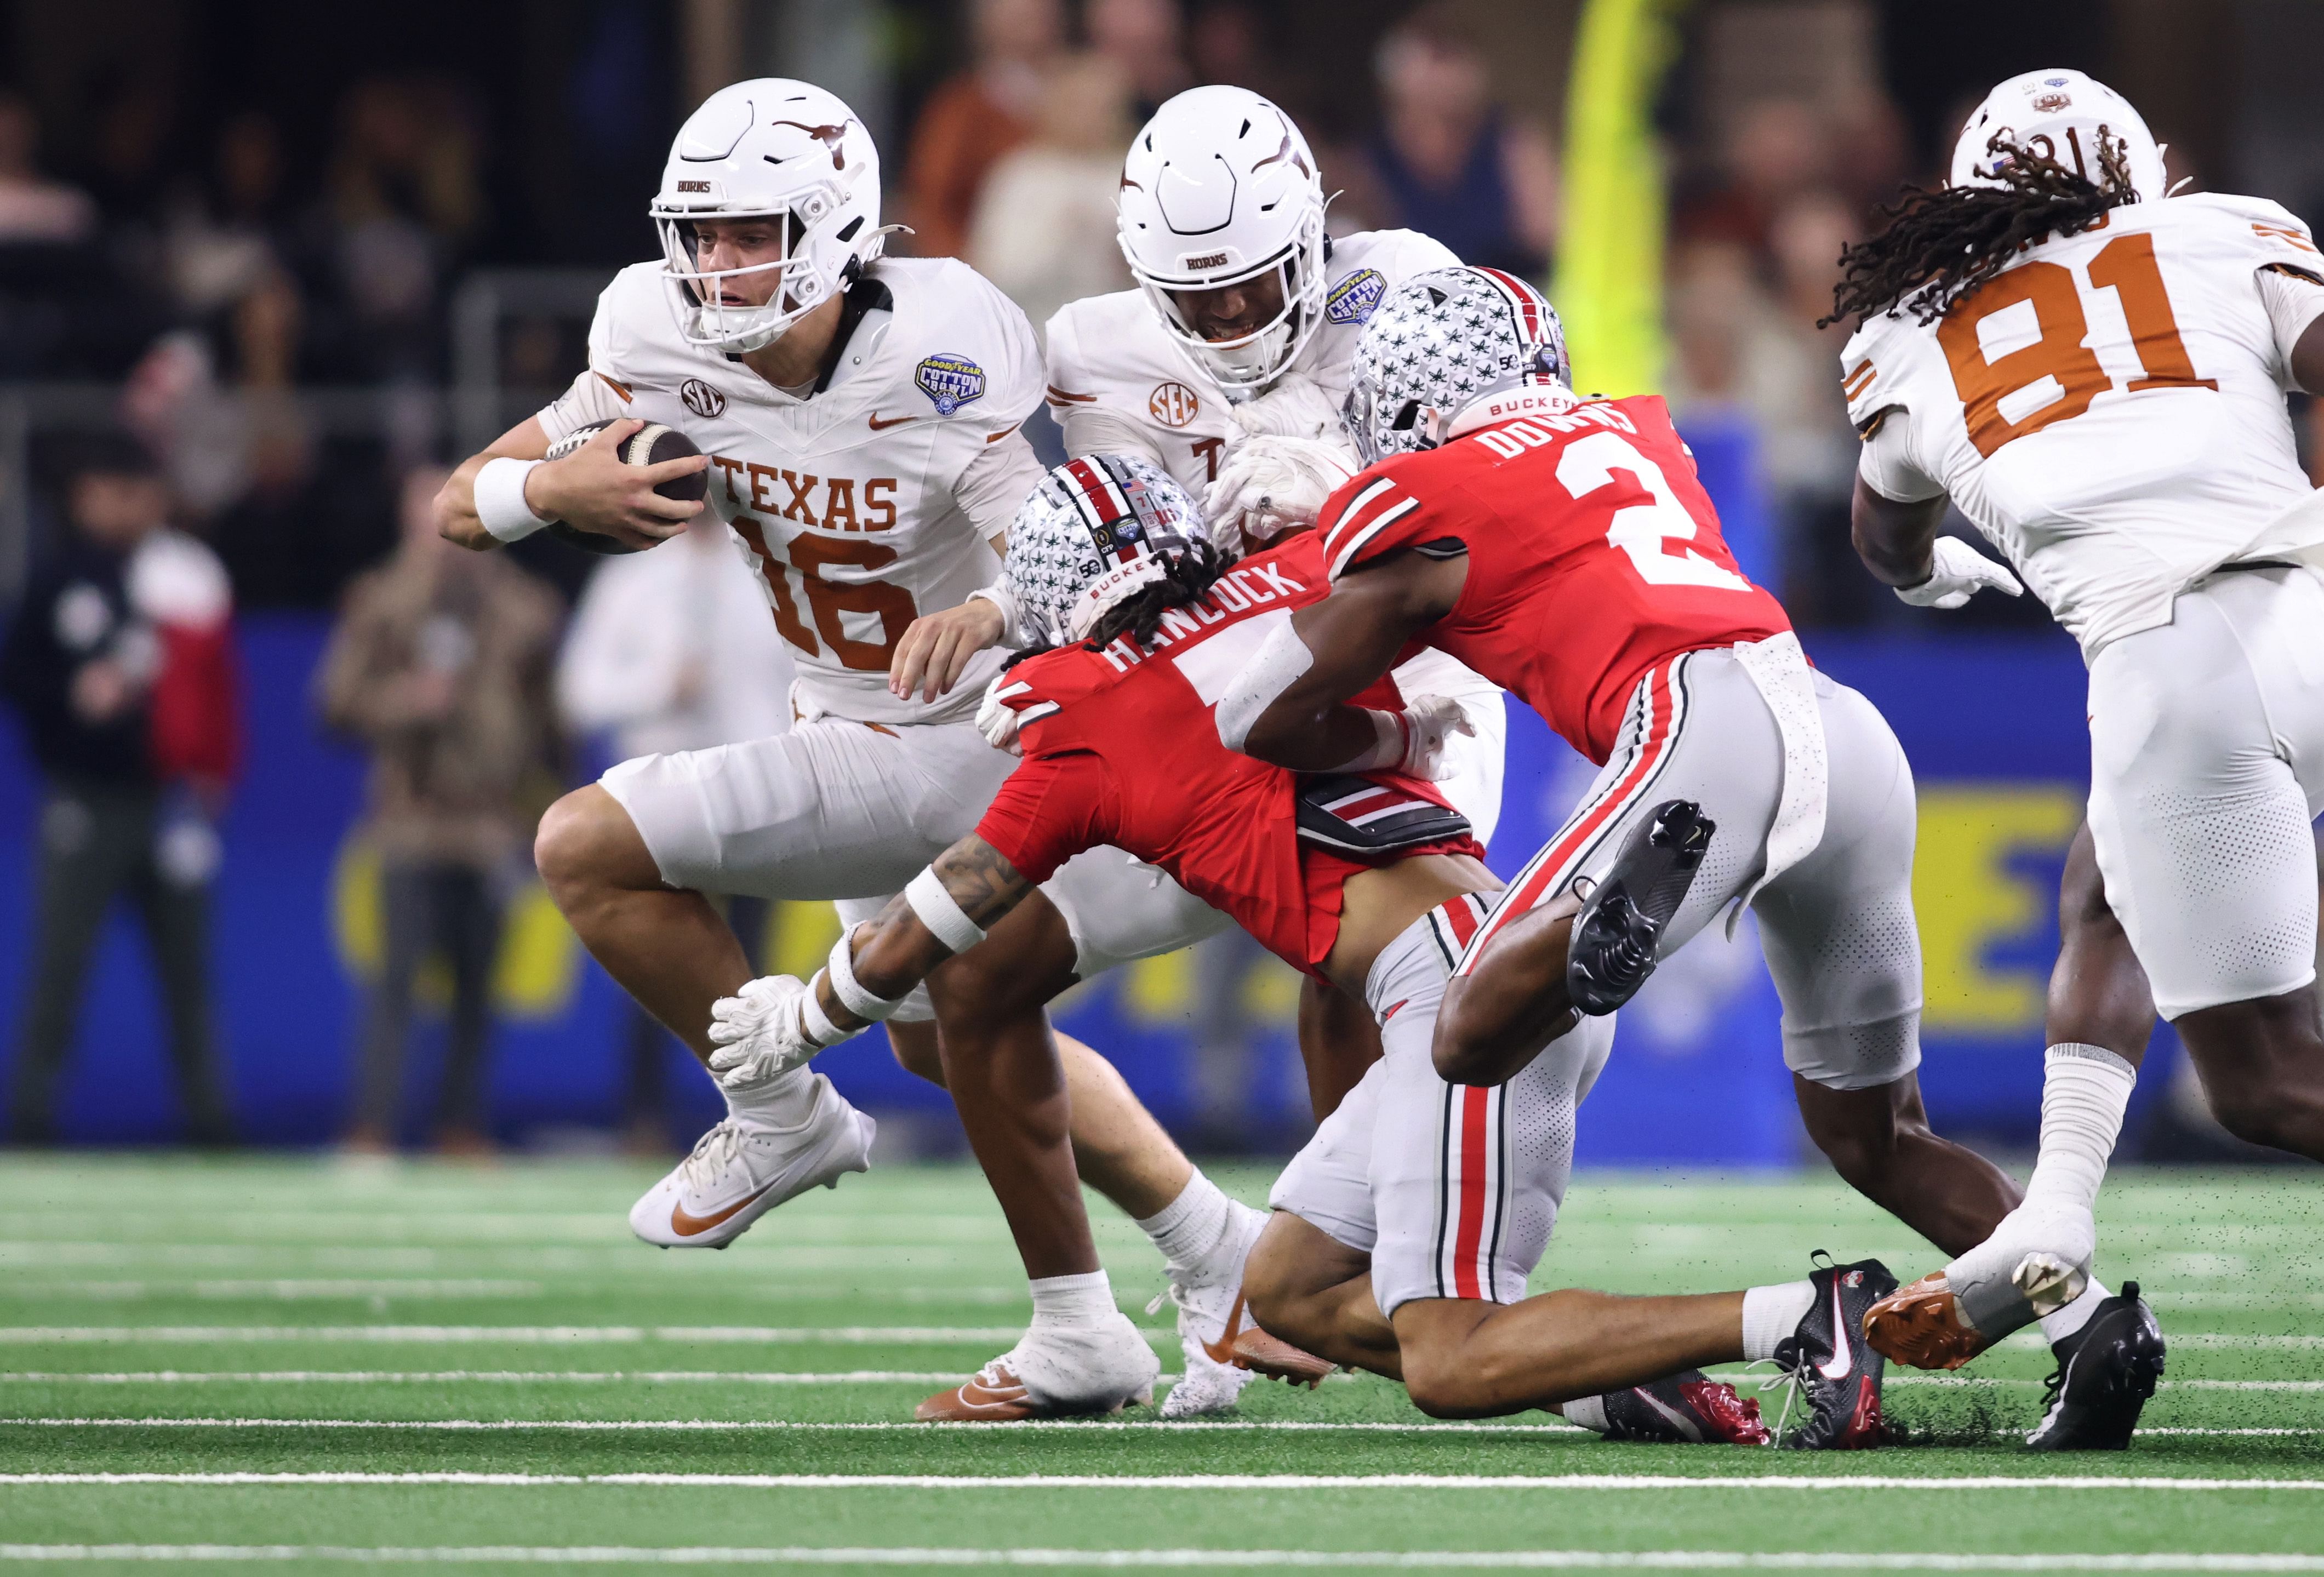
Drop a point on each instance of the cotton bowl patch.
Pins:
(951, 381)
(1352, 300)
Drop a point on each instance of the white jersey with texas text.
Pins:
(2109, 410)
(861, 504)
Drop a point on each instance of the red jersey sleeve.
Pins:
(1372, 513)
(1051, 809)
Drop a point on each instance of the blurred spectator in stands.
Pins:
(224, 235)
(440, 664)
(1044, 226)
(1777, 149)
(34, 209)
(1144, 39)
(1227, 41)
(673, 650)
(404, 196)
(975, 116)
(1448, 162)
(120, 664)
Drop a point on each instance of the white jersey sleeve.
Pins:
(2109, 411)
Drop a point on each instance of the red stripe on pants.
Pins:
(1474, 1098)
(1547, 866)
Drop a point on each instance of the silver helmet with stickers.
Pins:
(1441, 341)
(1098, 528)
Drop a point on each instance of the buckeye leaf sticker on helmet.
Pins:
(1098, 529)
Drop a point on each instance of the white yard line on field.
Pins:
(1233, 1560)
(1204, 1484)
(169, 1377)
(600, 1426)
(280, 1289)
(525, 1335)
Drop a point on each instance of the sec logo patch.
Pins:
(700, 397)
(1173, 404)
(1351, 299)
(950, 381)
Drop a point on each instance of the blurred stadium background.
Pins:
(292, 254)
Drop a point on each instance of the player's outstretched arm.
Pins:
(590, 489)
(1896, 540)
(779, 1022)
(1289, 705)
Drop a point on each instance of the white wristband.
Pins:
(941, 913)
(1390, 737)
(815, 1022)
(1003, 596)
(500, 499)
(852, 995)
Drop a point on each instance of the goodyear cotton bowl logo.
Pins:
(700, 397)
(951, 381)
(2052, 102)
(1352, 300)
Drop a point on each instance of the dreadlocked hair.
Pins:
(1942, 244)
(1185, 576)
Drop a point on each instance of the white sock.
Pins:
(2059, 1325)
(783, 1102)
(1193, 1225)
(1073, 1302)
(2084, 1090)
(1770, 1314)
(1590, 1412)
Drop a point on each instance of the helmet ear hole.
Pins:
(1406, 414)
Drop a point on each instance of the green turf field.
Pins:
(285, 1361)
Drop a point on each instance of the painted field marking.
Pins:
(596, 1425)
(1399, 1560)
(1205, 1483)
(527, 1335)
(279, 1289)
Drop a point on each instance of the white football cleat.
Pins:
(1055, 1372)
(741, 1170)
(1210, 1317)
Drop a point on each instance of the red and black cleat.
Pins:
(1836, 1370)
(1686, 1408)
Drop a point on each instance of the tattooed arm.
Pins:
(898, 951)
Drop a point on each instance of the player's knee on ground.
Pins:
(587, 841)
(1274, 1279)
(916, 1050)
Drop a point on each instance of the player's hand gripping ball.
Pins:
(652, 445)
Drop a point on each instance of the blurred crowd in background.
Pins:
(237, 240)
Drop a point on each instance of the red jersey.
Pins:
(1121, 747)
(1594, 555)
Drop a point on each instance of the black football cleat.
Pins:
(2106, 1372)
(1611, 950)
(1686, 1408)
(1837, 1371)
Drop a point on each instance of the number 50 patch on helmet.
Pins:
(951, 381)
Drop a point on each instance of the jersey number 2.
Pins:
(2124, 265)
(827, 599)
(1652, 534)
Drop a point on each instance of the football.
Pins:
(650, 444)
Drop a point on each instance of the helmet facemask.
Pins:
(1246, 365)
(731, 329)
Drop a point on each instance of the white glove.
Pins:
(1295, 408)
(1960, 572)
(759, 1033)
(1271, 485)
(1413, 741)
(996, 720)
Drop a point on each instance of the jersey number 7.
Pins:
(1653, 534)
(2124, 265)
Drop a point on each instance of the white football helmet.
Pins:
(2061, 115)
(1440, 343)
(768, 148)
(1219, 188)
(1098, 528)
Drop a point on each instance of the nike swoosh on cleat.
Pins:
(1222, 1352)
(974, 1393)
(1677, 1420)
(1843, 1356)
(689, 1226)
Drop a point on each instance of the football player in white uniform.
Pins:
(859, 416)
(1227, 367)
(2094, 371)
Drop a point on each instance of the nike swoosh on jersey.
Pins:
(1842, 1358)
(687, 1226)
(879, 426)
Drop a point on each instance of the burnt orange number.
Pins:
(1208, 449)
(2059, 354)
(2127, 265)
(787, 615)
(831, 598)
